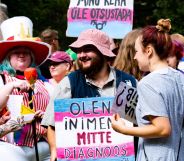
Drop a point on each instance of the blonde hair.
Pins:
(164, 25)
(124, 60)
(178, 37)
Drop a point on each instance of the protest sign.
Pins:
(115, 17)
(125, 102)
(83, 131)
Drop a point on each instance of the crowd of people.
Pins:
(147, 58)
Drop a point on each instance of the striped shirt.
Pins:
(24, 137)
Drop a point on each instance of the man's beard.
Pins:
(96, 66)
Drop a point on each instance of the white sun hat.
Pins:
(18, 31)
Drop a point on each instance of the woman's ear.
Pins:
(149, 50)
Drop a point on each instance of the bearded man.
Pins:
(95, 78)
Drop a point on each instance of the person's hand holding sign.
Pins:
(117, 123)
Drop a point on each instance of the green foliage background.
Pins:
(45, 13)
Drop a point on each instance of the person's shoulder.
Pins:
(125, 77)
(75, 72)
(122, 72)
(75, 75)
(64, 81)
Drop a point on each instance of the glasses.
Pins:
(50, 40)
(55, 64)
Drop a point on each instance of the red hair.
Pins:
(159, 39)
(177, 50)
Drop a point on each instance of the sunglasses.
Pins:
(54, 64)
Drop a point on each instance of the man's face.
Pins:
(53, 40)
(90, 60)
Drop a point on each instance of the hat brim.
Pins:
(56, 60)
(49, 60)
(40, 50)
(105, 51)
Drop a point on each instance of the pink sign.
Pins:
(83, 131)
(115, 17)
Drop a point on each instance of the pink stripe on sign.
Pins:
(71, 153)
(100, 14)
(60, 115)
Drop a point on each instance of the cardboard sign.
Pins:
(14, 105)
(17, 109)
(125, 102)
(83, 131)
(111, 16)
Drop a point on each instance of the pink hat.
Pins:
(17, 31)
(60, 56)
(94, 37)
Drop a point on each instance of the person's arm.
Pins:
(52, 142)
(63, 90)
(8, 88)
(10, 126)
(158, 127)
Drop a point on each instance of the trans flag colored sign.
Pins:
(115, 17)
(83, 131)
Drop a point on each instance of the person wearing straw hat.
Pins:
(19, 50)
(94, 78)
